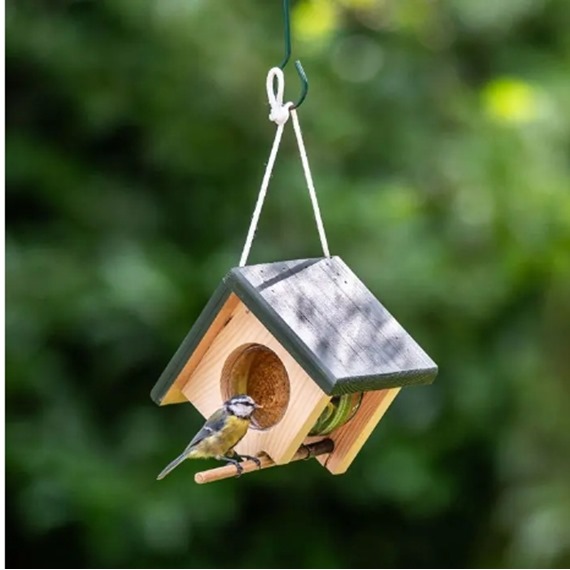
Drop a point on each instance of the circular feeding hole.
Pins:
(256, 370)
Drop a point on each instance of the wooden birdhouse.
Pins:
(310, 343)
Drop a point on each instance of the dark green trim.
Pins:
(281, 331)
(282, 296)
(384, 381)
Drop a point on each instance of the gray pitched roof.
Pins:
(326, 318)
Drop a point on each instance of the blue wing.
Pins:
(213, 425)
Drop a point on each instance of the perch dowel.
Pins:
(227, 471)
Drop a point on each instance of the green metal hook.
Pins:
(300, 71)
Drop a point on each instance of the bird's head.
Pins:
(241, 406)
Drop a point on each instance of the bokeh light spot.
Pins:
(510, 101)
(315, 20)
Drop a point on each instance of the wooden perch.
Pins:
(227, 471)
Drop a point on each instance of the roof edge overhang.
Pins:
(417, 377)
(235, 282)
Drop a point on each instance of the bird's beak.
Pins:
(258, 407)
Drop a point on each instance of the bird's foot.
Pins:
(239, 468)
(252, 458)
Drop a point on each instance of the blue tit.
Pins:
(223, 430)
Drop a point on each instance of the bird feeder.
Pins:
(311, 344)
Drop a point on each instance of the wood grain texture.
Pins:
(306, 403)
(212, 319)
(323, 316)
(229, 471)
(338, 331)
(349, 439)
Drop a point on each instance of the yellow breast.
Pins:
(223, 441)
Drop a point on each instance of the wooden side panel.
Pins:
(174, 393)
(350, 438)
(306, 403)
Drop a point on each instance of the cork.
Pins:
(256, 370)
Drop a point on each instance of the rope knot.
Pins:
(279, 115)
(279, 112)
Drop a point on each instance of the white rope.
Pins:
(280, 115)
(310, 185)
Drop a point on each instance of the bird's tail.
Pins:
(171, 466)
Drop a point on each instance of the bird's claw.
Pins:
(238, 465)
(252, 458)
(234, 462)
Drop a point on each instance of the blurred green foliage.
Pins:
(439, 137)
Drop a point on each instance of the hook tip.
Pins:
(304, 83)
